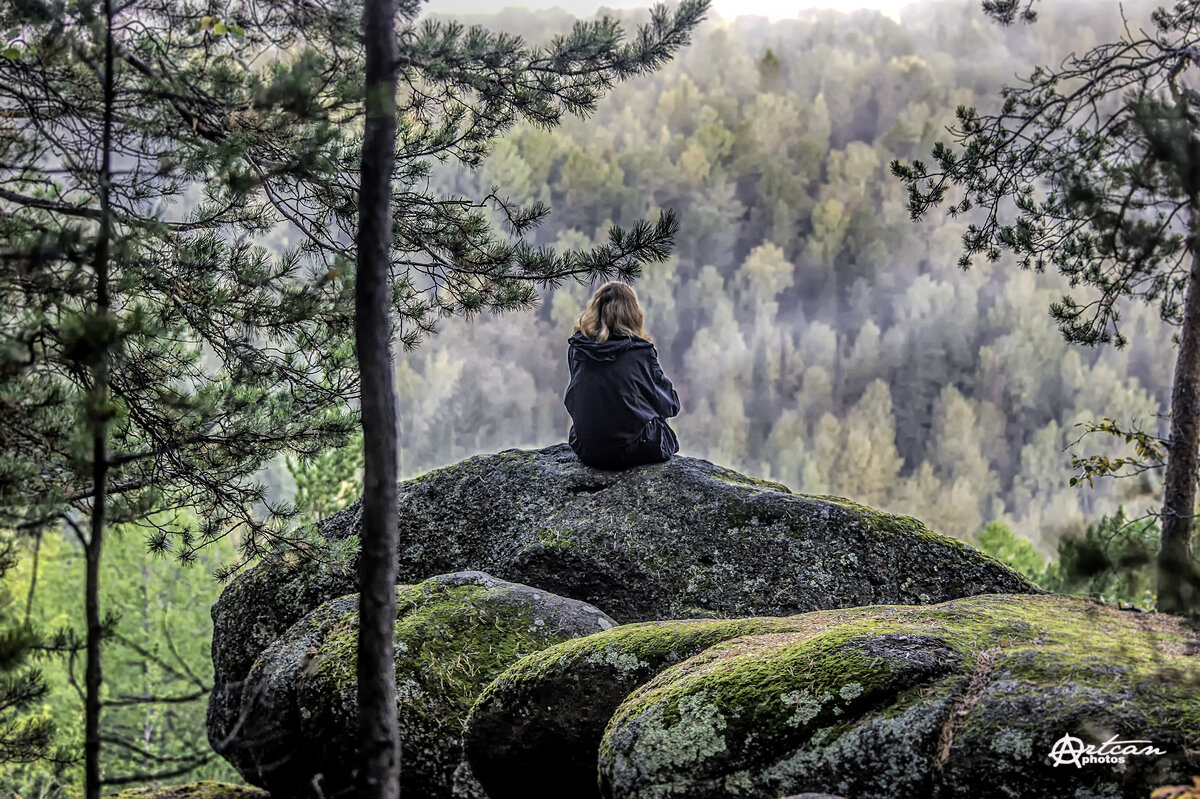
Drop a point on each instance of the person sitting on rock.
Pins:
(619, 399)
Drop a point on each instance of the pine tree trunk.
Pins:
(147, 693)
(378, 735)
(1176, 574)
(97, 418)
(92, 676)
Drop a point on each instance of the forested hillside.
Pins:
(815, 334)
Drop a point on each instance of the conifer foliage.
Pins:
(24, 735)
(154, 351)
(153, 357)
(1093, 168)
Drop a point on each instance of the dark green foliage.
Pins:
(222, 352)
(1112, 559)
(217, 353)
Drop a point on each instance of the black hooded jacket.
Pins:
(619, 400)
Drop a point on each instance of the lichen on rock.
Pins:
(534, 732)
(916, 702)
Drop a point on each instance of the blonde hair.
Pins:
(613, 310)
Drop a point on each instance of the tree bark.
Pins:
(1177, 586)
(98, 420)
(92, 675)
(378, 735)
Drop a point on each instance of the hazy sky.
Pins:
(775, 9)
(780, 9)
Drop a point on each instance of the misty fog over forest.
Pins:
(817, 336)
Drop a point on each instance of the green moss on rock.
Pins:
(454, 634)
(451, 639)
(684, 539)
(205, 789)
(552, 707)
(915, 701)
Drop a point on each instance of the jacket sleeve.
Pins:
(666, 400)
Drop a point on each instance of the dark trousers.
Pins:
(656, 444)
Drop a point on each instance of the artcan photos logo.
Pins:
(1071, 751)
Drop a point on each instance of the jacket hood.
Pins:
(605, 350)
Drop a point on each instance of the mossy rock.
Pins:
(962, 699)
(684, 539)
(534, 732)
(205, 789)
(454, 634)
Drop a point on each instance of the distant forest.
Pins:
(816, 335)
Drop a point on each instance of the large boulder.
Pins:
(965, 699)
(454, 634)
(684, 539)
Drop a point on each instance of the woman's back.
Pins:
(618, 397)
(617, 390)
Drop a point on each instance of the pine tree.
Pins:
(379, 748)
(1113, 136)
(153, 356)
(443, 256)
